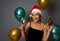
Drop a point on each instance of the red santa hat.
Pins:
(36, 9)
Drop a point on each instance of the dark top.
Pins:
(34, 35)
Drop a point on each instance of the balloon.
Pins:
(19, 13)
(14, 34)
(55, 33)
(44, 3)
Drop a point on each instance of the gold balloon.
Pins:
(14, 34)
(44, 3)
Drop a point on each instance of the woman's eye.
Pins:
(35, 14)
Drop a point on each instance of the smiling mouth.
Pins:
(35, 19)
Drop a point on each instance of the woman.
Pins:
(36, 30)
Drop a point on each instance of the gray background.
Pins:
(8, 20)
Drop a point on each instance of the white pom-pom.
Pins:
(30, 15)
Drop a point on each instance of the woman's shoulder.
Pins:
(28, 24)
(42, 23)
(43, 26)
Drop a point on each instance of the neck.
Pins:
(37, 22)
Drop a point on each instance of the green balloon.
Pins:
(19, 13)
(55, 33)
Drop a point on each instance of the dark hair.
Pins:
(40, 17)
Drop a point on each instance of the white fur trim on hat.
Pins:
(37, 10)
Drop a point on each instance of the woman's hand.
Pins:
(47, 30)
(50, 28)
(21, 27)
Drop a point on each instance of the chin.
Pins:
(35, 20)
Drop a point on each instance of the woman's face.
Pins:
(36, 16)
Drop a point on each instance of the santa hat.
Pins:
(36, 9)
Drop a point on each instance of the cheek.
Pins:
(37, 16)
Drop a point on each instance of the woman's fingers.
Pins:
(21, 27)
(49, 28)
